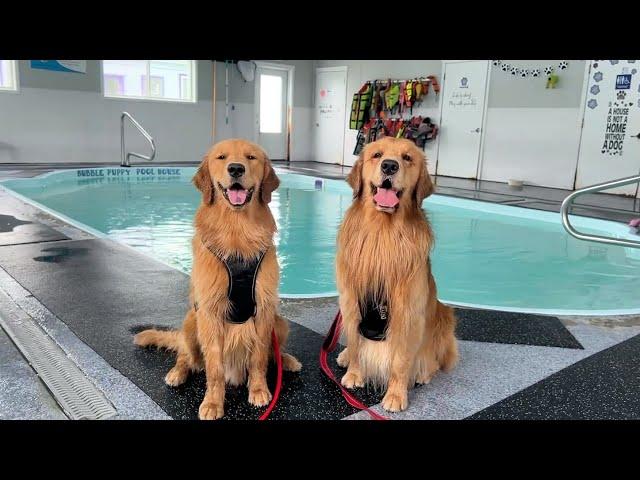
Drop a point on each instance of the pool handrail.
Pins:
(568, 202)
(124, 158)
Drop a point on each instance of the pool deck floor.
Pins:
(90, 295)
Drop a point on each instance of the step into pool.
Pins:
(486, 255)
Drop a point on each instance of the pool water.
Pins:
(486, 255)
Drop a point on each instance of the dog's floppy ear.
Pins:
(424, 187)
(202, 181)
(270, 182)
(354, 179)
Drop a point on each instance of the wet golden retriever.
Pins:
(234, 229)
(397, 332)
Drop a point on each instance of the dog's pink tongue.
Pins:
(237, 197)
(386, 197)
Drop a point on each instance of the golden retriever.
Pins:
(397, 332)
(234, 228)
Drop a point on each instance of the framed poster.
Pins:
(73, 66)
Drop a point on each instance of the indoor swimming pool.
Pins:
(486, 255)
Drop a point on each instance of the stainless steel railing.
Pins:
(124, 157)
(568, 202)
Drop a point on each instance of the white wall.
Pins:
(59, 117)
(536, 145)
(359, 71)
(57, 126)
(63, 117)
(533, 133)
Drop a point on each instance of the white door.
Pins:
(330, 106)
(609, 146)
(464, 92)
(272, 111)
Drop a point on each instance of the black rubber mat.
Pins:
(105, 292)
(305, 395)
(603, 386)
(513, 328)
(14, 231)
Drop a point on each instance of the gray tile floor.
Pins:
(22, 395)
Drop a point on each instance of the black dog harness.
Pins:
(242, 274)
(374, 316)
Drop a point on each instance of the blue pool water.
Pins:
(487, 255)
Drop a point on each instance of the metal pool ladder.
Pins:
(568, 202)
(124, 158)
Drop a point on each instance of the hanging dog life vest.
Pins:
(242, 274)
(374, 317)
(409, 95)
(392, 96)
(360, 107)
(375, 100)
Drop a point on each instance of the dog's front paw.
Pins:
(343, 358)
(394, 402)
(259, 397)
(210, 411)
(352, 380)
(176, 376)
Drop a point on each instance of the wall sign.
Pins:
(616, 129)
(73, 66)
(623, 82)
(618, 102)
(462, 99)
(128, 172)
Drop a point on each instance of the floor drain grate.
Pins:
(74, 392)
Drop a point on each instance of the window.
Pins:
(8, 75)
(270, 104)
(169, 80)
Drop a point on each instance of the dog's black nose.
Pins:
(235, 169)
(389, 167)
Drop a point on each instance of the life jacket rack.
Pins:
(386, 96)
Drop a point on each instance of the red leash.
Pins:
(328, 346)
(276, 393)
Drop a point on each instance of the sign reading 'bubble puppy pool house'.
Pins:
(126, 172)
(72, 66)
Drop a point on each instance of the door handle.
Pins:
(638, 136)
(477, 130)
